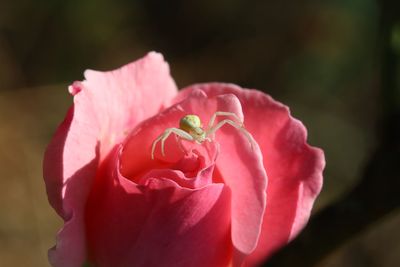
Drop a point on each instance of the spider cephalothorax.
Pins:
(191, 129)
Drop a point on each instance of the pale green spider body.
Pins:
(192, 125)
(190, 128)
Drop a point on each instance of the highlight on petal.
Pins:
(69, 164)
(294, 168)
(106, 106)
(127, 96)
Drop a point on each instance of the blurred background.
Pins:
(334, 62)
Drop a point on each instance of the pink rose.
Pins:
(231, 201)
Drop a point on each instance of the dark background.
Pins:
(334, 62)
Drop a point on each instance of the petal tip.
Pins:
(75, 88)
(155, 55)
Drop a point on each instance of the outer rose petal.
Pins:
(161, 224)
(240, 164)
(242, 171)
(125, 97)
(106, 105)
(294, 168)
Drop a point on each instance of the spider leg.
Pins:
(165, 135)
(222, 113)
(240, 127)
(153, 146)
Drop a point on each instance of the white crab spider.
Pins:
(190, 129)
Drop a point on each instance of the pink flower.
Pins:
(219, 203)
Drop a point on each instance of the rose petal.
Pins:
(70, 163)
(294, 168)
(106, 106)
(194, 228)
(136, 157)
(240, 165)
(203, 175)
(127, 96)
(161, 223)
(242, 171)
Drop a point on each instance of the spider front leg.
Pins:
(223, 113)
(165, 135)
(240, 127)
